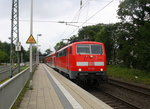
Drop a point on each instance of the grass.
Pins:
(1, 82)
(127, 74)
(24, 67)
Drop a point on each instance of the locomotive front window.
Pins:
(89, 49)
(83, 49)
(96, 49)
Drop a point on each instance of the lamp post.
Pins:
(31, 32)
(37, 51)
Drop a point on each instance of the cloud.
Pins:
(5, 9)
(53, 10)
(47, 9)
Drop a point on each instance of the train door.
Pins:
(52, 61)
(67, 59)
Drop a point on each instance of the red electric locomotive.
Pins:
(84, 60)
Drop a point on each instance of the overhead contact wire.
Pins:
(92, 16)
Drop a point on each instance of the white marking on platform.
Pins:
(72, 101)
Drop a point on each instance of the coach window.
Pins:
(70, 50)
(56, 54)
(61, 53)
(64, 52)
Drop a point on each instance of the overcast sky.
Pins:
(47, 11)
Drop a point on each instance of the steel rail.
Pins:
(134, 94)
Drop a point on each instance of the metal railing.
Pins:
(10, 90)
(6, 73)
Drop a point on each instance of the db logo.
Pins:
(91, 63)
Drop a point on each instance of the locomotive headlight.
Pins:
(101, 69)
(91, 56)
(79, 70)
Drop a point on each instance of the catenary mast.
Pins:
(15, 35)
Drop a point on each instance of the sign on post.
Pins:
(31, 40)
(18, 46)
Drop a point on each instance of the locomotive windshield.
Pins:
(89, 49)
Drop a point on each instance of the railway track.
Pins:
(3, 68)
(111, 100)
(5, 73)
(123, 95)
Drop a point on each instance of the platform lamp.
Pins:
(37, 51)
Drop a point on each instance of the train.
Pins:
(81, 61)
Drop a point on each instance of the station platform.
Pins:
(53, 91)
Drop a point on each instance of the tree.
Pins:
(25, 55)
(4, 46)
(48, 51)
(136, 11)
(105, 36)
(143, 47)
(3, 57)
(74, 38)
(89, 32)
(4, 52)
(59, 45)
(135, 15)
